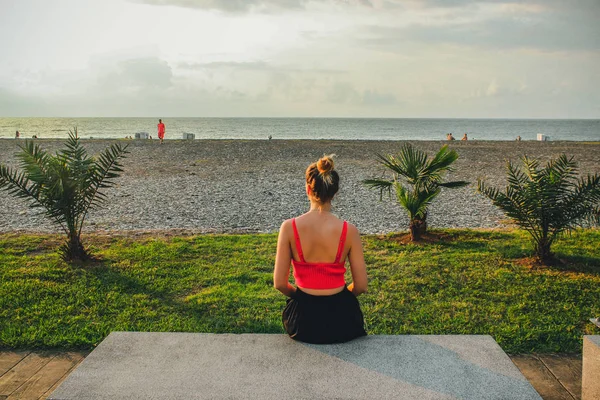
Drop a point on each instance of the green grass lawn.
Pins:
(469, 282)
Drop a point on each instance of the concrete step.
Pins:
(590, 387)
(147, 365)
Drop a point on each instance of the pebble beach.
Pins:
(249, 186)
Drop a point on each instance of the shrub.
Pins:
(424, 179)
(67, 185)
(547, 201)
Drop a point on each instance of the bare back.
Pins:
(320, 238)
(320, 234)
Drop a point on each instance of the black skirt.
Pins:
(323, 319)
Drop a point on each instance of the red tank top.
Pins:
(319, 275)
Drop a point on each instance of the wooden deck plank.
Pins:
(9, 359)
(567, 369)
(36, 386)
(20, 373)
(540, 377)
(57, 383)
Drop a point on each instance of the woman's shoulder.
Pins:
(286, 224)
(352, 229)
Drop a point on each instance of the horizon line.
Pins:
(319, 117)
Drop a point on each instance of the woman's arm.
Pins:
(281, 273)
(357, 262)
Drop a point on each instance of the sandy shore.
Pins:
(252, 186)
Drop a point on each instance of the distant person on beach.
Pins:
(17, 135)
(161, 131)
(450, 137)
(518, 138)
(465, 137)
(321, 308)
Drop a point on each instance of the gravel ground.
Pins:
(252, 186)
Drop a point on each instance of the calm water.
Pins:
(307, 128)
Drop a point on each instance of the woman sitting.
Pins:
(321, 308)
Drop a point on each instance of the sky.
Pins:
(300, 58)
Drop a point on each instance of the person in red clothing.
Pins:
(161, 131)
(321, 308)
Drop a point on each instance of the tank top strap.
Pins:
(297, 239)
(342, 242)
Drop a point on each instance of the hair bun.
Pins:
(325, 164)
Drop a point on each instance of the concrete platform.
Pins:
(132, 365)
(590, 385)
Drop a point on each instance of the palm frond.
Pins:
(415, 203)
(106, 168)
(17, 184)
(381, 184)
(392, 163)
(442, 162)
(412, 161)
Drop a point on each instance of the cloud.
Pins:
(509, 89)
(234, 6)
(434, 58)
(269, 6)
(241, 6)
(373, 97)
(243, 65)
(141, 74)
(342, 93)
(552, 30)
(14, 104)
(345, 93)
(493, 88)
(127, 87)
(260, 66)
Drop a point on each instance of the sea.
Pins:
(308, 128)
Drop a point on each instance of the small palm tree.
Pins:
(424, 178)
(547, 201)
(67, 185)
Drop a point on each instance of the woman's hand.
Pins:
(287, 290)
(355, 292)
